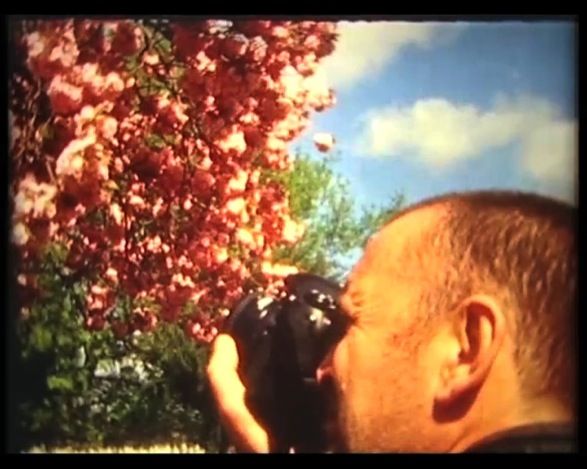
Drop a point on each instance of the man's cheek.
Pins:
(341, 368)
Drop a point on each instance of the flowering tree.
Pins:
(141, 148)
(151, 187)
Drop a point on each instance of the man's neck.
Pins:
(535, 412)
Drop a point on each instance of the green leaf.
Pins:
(59, 383)
(155, 141)
(63, 340)
(41, 338)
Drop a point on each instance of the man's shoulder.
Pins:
(537, 438)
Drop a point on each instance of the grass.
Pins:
(153, 449)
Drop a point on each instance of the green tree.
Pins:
(336, 226)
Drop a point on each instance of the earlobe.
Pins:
(479, 332)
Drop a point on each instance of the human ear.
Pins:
(479, 330)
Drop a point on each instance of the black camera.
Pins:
(281, 342)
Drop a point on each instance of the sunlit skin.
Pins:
(405, 385)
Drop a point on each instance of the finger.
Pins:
(229, 392)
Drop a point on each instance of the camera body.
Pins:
(281, 342)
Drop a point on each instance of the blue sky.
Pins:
(427, 108)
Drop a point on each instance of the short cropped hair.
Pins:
(522, 248)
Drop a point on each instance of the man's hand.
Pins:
(229, 392)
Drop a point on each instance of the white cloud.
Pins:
(364, 48)
(441, 133)
(550, 152)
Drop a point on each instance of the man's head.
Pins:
(463, 309)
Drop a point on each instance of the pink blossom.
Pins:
(244, 236)
(292, 231)
(65, 98)
(111, 274)
(20, 235)
(238, 183)
(233, 142)
(107, 127)
(323, 141)
(67, 163)
(151, 58)
(278, 270)
(116, 213)
(220, 255)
